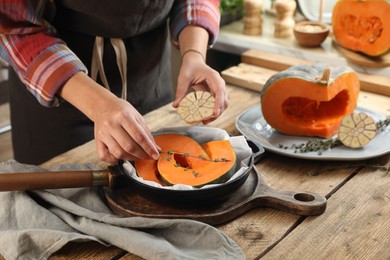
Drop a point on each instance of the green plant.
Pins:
(230, 6)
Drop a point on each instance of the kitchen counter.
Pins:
(232, 40)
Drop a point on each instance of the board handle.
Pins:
(300, 203)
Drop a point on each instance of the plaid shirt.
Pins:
(44, 63)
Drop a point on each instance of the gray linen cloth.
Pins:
(35, 224)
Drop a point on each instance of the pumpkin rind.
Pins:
(295, 102)
(362, 25)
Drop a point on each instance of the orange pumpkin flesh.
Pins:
(200, 172)
(295, 103)
(147, 169)
(184, 161)
(362, 26)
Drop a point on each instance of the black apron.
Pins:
(40, 133)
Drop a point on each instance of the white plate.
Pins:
(311, 9)
(252, 124)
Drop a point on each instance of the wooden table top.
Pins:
(355, 224)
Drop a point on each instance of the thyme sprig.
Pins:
(319, 146)
(382, 124)
(201, 157)
(185, 155)
(313, 145)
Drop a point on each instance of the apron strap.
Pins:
(121, 59)
(97, 62)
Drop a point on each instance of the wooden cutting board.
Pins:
(131, 201)
(364, 60)
(258, 66)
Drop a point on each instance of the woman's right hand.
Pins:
(121, 133)
(120, 130)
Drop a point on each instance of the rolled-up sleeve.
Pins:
(28, 44)
(202, 13)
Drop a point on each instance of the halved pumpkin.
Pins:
(184, 161)
(362, 25)
(309, 100)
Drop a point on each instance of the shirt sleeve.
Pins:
(28, 44)
(202, 13)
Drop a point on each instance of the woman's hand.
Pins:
(195, 73)
(120, 131)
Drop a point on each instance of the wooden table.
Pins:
(355, 225)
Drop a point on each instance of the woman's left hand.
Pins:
(195, 73)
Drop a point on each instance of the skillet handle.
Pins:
(257, 150)
(52, 180)
(300, 203)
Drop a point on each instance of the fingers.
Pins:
(123, 134)
(123, 146)
(181, 92)
(217, 85)
(203, 78)
(143, 145)
(104, 153)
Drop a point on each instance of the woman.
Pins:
(63, 52)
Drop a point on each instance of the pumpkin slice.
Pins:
(147, 169)
(196, 106)
(177, 168)
(362, 26)
(357, 130)
(309, 100)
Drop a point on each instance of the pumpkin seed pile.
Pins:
(313, 145)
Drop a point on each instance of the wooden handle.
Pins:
(52, 180)
(299, 203)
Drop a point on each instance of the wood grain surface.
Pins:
(355, 226)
